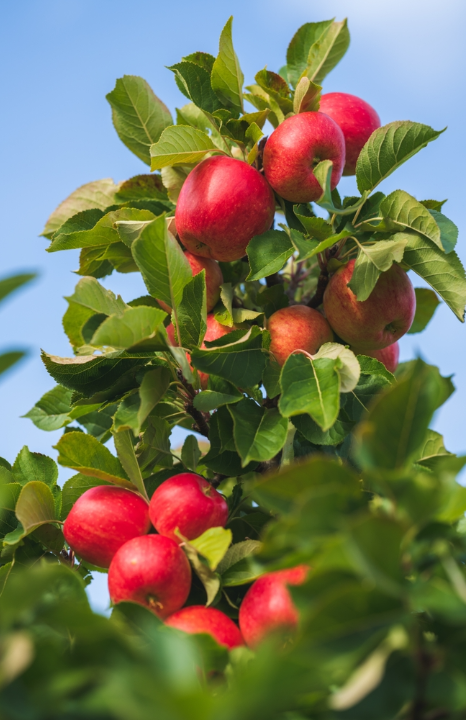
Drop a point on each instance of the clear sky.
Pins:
(59, 58)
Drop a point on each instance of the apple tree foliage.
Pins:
(327, 461)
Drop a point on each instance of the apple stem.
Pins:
(322, 283)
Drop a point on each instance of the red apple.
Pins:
(388, 356)
(377, 322)
(102, 520)
(297, 328)
(267, 605)
(223, 203)
(213, 279)
(153, 571)
(189, 503)
(357, 120)
(200, 619)
(295, 148)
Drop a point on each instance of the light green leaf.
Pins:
(310, 386)
(448, 230)
(163, 265)
(298, 50)
(220, 392)
(153, 387)
(87, 455)
(99, 194)
(241, 362)
(349, 369)
(442, 271)
(268, 253)
(259, 434)
(190, 453)
(102, 232)
(138, 115)
(125, 450)
(135, 325)
(227, 78)
(180, 145)
(327, 51)
(173, 179)
(190, 114)
(403, 210)
(426, 305)
(213, 544)
(192, 312)
(316, 227)
(373, 260)
(224, 314)
(209, 578)
(92, 295)
(388, 148)
(35, 506)
(130, 230)
(51, 412)
(307, 96)
(30, 466)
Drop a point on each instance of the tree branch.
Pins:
(322, 283)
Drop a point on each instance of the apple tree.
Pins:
(310, 501)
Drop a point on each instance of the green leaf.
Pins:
(87, 455)
(315, 435)
(13, 282)
(209, 578)
(180, 145)
(448, 230)
(268, 253)
(259, 433)
(88, 374)
(241, 362)
(190, 114)
(373, 260)
(213, 544)
(237, 566)
(99, 195)
(443, 272)
(220, 392)
(141, 187)
(30, 466)
(125, 450)
(194, 82)
(222, 456)
(173, 179)
(8, 359)
(153, 387)
(74, 488)
(192, 312)
(327, 51)
(92, 295)
(190, 453)
(163, 265)
(397, 423)
(138, 115)
(51, 412)
(403, 210)
(35, 506)
(310, 386)
(388, 148)
(137, 324)
(307, 96)
(224, 314)
(426, 305)
(299, 47)
(101, 232)
(227, 78)
(316, 227)
(126, 417)
(349, 369)
(371, 366)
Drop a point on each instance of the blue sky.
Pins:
(59, 58)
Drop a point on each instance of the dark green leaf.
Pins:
(259, 433)
(88, 374)
(310, 386)
(8, 359)
(268, 253)
(241, 362)
(194, 82)
(190, 453)
(219, 392)
(192, 312)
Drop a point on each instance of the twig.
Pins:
(322, 283)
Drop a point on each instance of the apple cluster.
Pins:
(142, 543)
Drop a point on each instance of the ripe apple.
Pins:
(377, 322)
(153, 571)
(388, 356)
(102, 520)
(213, 279)
(267, 605)
(200, 619)
(357, 120)
(297, 327)
(189, 503)
(223, 203)
(294, 149)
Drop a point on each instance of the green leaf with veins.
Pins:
(227, 78)
(99, 195)
(51, 412)
(401, 209)
(141, 187)
(190, 453)
(103, 232)
(138, 115)
(163, 265)
(125, 450)
(442, 271)
(307, 96)
(310, 386)
(448, 230)
(30, 466)
(298, 50)
(194, 82)
(388, 148)
(137, 324)
(241, 362)
(192, 312)
(35, 506)
(373, 260)
(180, 145)
(192, 115)
(259, 434)
(426, 305)
(327, 51)
(220, 392)
(154, 385)
(92, 295)
(275, 87)
(87, 455)
(268, 253)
